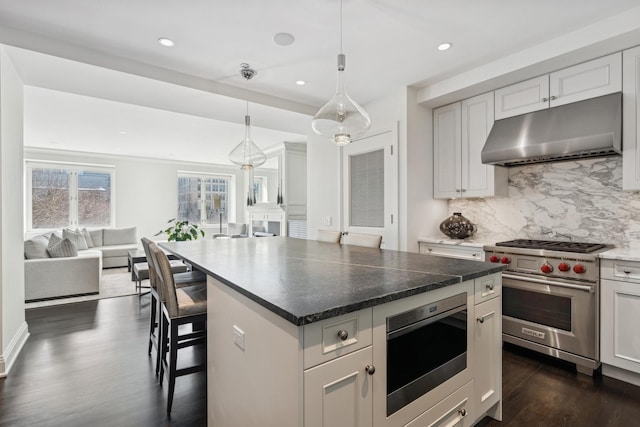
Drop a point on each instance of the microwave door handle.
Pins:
(586, 288)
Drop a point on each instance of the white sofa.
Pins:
(47, 278)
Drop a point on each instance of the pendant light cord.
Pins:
(341, 26)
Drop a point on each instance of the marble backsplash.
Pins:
(576, 200)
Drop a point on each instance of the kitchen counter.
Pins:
(304, 281)
(624, 254)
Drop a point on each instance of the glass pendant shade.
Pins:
(247, 154)
(341, 119)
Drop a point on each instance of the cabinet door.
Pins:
(630, 120)
(587, 80)
(488, 355)
(339, 393)
(446, 151)
(479, 180)
(620, 317)
(524, 97)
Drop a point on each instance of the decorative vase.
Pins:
(457, 226)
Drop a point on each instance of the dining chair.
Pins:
(358, 239)
(181, 279)
(180, 306)
(330, 236)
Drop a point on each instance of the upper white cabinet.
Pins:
(587, 80)
(630, 120)
(460, 131)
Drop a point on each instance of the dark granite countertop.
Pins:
(305, 281)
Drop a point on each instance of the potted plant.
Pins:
(179, 231)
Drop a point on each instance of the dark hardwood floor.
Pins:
(540, 391)
(85, 364)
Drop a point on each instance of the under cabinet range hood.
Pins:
(590, 128)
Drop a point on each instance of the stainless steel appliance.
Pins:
(426, 346)
(550, 298)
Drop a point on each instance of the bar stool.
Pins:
(181, 279)
(180, 306)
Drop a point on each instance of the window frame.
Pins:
(231, 195)
(73, 168)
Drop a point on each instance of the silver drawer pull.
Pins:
(627, 271)
(490, 286)
(462, 412)
(343, 335)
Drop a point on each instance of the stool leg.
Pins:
(163, 350)
(173, 358)
(153, 323)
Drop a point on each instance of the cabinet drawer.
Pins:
(487, 287)
(628, 271)
(452, 251)
(337, 336)
(453, 411)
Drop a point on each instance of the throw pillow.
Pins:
(54, 239)
(87, 238)
(36, 248)
(96, 237)
(76, 237)
(64, 248)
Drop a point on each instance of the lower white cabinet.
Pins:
(454, 411)
(339, 393)
(620, 314)
(452, 250)
(487, 368)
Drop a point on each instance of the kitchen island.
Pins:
(297, 332)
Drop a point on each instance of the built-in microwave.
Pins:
(426, 346)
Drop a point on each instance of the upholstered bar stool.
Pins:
(330, 236)
(357, 239)
(141, 271)
(183, 305)
(181, 279)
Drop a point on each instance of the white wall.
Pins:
(13, 328)
(418, 213)
(147, 189)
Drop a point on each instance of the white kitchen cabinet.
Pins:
(339, 393)
(583, 81)
(620, 315)
(460, 131)
(488, 356)
(631, 120)
(452, 250)
(454, 411)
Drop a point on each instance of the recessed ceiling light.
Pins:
(301, 82)
(122, 132)
(166, 42)
(283, 39)
(53, 142)
(444, 46)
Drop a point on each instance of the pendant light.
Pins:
(341, 119)
(247, 154)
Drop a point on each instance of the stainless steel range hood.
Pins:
(590, 128)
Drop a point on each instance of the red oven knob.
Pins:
(563, 266)
(579, 269)
(546, 268)
(505, 260)
(494, 258)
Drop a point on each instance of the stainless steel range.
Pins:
(550, 298)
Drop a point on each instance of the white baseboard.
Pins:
(13, 349)
(621, 374)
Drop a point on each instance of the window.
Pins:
(203, 198)
(69, 195)
(367, 189)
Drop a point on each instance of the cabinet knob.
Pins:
(553, 97)
(343, 335)
(370, 369)
(430, 249)
(545, 99)
(490, 286)
(463, 190)
(462, 412)
(627, 271)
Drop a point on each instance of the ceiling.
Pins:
(94, 69)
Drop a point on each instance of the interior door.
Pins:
(370, 187)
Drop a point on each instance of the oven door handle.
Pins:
(586, 288)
